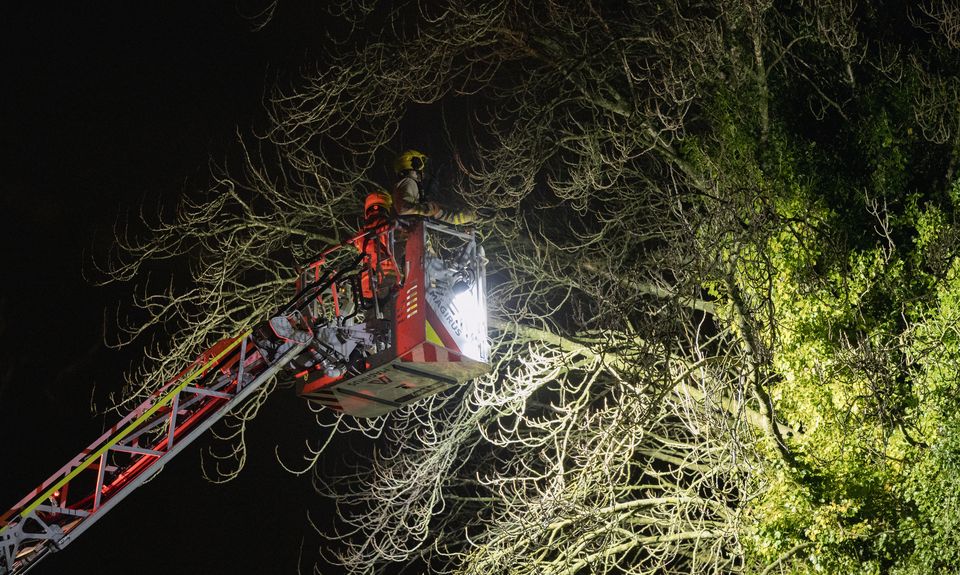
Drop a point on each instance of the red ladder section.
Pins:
(135, 449)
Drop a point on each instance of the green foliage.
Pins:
(933, 487)
(847, 259)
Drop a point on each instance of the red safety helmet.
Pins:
(377, 200)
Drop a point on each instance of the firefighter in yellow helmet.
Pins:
(408, 193)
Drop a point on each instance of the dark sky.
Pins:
(105, 106)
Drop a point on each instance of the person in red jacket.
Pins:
(379, 275)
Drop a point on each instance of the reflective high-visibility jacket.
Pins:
(378, 258)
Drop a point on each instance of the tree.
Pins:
(723, 257)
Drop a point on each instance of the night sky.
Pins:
(105, 108)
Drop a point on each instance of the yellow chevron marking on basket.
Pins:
(432, 336)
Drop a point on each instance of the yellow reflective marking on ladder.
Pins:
(133, 425)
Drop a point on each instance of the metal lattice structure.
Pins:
(132, 451)
(367, 332)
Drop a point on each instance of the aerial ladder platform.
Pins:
(391, 316)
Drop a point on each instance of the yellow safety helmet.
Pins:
(375, 200)
(409, 160)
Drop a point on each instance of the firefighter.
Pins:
(376, 209)
(375, 246)
(408, 193)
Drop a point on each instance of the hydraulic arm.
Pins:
(397, 318)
